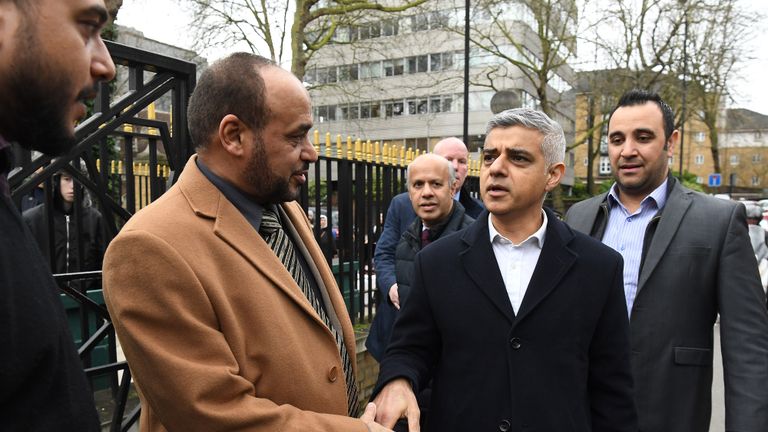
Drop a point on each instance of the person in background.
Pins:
(399, 216)
(431, 183)
(327, 240)
(686, 258)
(51, 59)
(68, 246)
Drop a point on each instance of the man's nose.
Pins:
(308, 153)
(628, 148)
(102, 66)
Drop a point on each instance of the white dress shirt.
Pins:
(517, 261)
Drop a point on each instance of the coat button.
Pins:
(504, 425)
(515, 343)
(333, 374)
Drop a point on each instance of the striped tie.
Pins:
(276, 238)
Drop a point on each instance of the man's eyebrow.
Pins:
(304, 127)
(518, 152)
(99, 11)
(644, 130)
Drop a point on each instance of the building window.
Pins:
(418, 106)
(586, 161)
(700, 136)
(605, 166)
(325, 113)
(394, 67)
(418, 64)
(370, 70)
(698, 159)
(434, 104)
(348, 72)
(310, 76)
(369, 110)
(734, 160)
(529, 101)
(393, 108)
(435, 64)
(757, 158)
(755, 181)
(447, 104)
(350, 112)
(420, 22)
(389, 27)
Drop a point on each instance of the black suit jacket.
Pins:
(561, 364)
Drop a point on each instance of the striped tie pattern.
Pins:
(276, 238)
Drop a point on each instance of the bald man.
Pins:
(400, 215)
(431, 185)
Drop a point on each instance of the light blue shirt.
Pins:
(625, 233)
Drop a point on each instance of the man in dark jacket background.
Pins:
(431, 184)
(68, 222)
(400, 215)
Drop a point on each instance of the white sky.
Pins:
(166, 21)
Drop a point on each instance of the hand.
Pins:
(396, 400)
(394, 296)
(368, 418)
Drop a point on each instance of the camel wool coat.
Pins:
(218, 335)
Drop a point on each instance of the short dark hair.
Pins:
(232, 85)
(639, 97)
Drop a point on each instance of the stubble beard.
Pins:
(34, 98)
(269, 187)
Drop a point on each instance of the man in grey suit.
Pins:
(687, 257)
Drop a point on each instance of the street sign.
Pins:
(715, 180)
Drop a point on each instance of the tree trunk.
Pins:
(298, 56)
(714, 141)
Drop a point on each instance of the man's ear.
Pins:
(455, 187)
(232, 135)
(672, 142)
(554, 175)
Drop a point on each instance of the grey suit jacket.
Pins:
(698, 263)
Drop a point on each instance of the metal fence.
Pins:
(353, 183)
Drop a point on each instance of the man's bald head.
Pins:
(456, 152)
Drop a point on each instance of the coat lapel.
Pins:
(554, 262)
(582, 218)
(677, 204)
(232, 227)
(480, 264)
